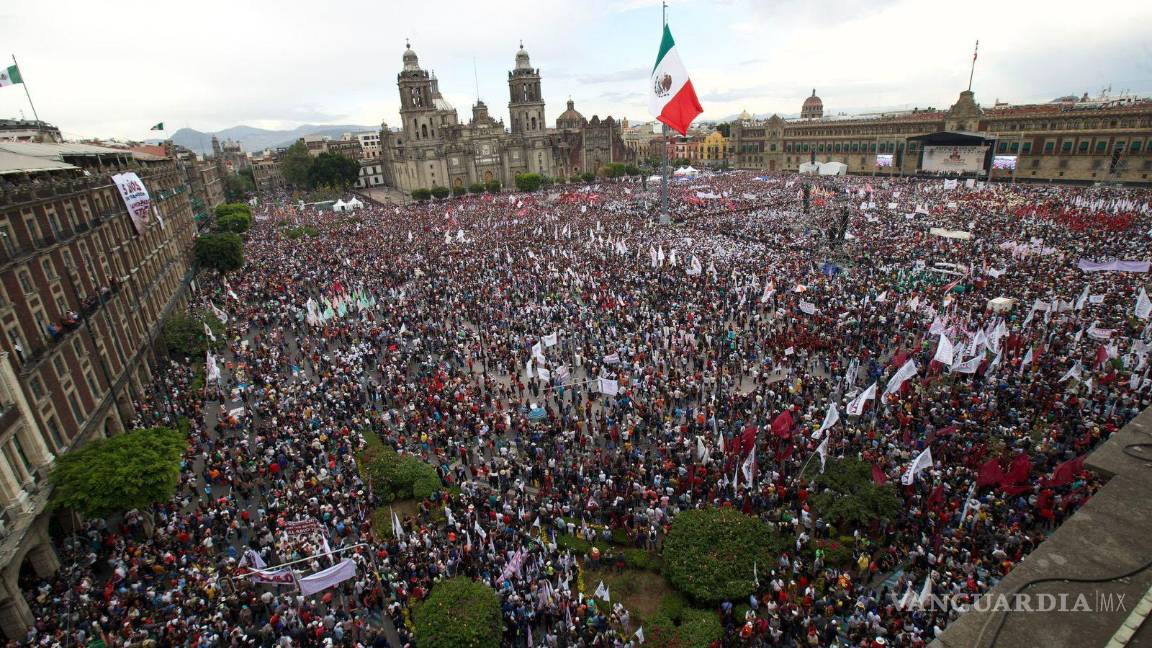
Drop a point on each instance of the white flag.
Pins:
(208, 332)
(1143, 305)
(1027, 359)
(856, 407)
(1074, 373)
(1083, 299)
(944, 351)
(220, 315)
(926, 592)
(831, 417)
(903, 374)
(550, 340)
(640, 634)
(969, 366)
(822, 450)
(607, 387)
(748, 466)
(918, 465)
(602, 592)
(807, 307)
(696, 268)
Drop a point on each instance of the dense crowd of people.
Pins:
(573, 368)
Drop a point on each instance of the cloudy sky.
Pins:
(112, 69)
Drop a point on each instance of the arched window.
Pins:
(423, 130)
(415, 127)
(533, 123)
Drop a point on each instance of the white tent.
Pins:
(833, 168)
(686, 171)
(354, 203)
(809, 167)
(1001, 304)
(654, 178)
(340, 205)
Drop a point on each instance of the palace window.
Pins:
(1083, 148)
(1015, 147)
(1102, 146)
(1066, 146)
(1027, 148)
(1135, 148)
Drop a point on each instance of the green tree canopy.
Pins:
(725, 129)
(709, 553)
(295, 164)
(128, 471)
(397, 477)
(333, 170)
(222, 251)
(183, 335)
(476, 187)
(847, 497)
(440, 193)
(459, 612)
(236, 185)
(233, 217)
(492, 186)
(529, 181)
(421, 194)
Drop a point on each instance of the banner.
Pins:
(135, 197)
(1112, 266)
(330, 577)
(283, 576)
(963, 159)
(302, 527)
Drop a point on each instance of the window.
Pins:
(37, 387)
(1083, 147)
(1002, 147)
(60, 365)
(26, 282)
(1015, 147)
(9, 242)
(1102, 146)
(1049, 146)
(1066, 146)
(49, 270)
(1027, 148)
(77, 411)
(54, 431)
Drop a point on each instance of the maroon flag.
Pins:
(877, 475)
(990, 473)
(748, 441)
(782, 426)
(1065, 473)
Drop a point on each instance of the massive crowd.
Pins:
(562, 359)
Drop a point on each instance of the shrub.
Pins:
(233, 217)
(576, 545)
(421, 194)
(440, 193)
(587, 177)
(223, 251)
(459, 191)
(395, 476)
(847, 497)
(183, 334)
(492, 187)
(476, 187)
(641, 559)
(709, 553)
(459, 612)
(529, 181)
(693, 628)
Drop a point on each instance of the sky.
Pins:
(113, 69)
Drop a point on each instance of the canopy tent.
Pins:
(1001, 304)
(686, 171)
(354, 203)
(340, 205)
(809, 167)
(833, 168)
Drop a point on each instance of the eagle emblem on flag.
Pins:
(663, 85)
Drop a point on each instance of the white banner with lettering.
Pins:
(136, 199)
(963, 159)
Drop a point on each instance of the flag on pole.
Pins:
(822, 450)
(831, 417)
(10, 75)
(672, 99)
(856, 407)
(158, 127)
(922, 462)
(1143, 305)
(640, 634)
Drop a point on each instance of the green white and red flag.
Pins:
(671, 97)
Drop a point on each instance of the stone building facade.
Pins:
(1067, 140)
(433, 147)
(82, 300)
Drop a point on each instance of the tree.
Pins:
(333, 170)
(492, 186)
(476, 187)
(183, 334)
(233, 217)
(128, 471)
(459, 612)
(709, 553)
(725, 129)
(689, 628)
(295, 165)
(612, 170)
(440, 193)
(398, 477)
(236, 185)
(459, 190)
(528, 181)
(632, 170)
(587, 177)
(421, 194)
(223, 252)
(847, 497)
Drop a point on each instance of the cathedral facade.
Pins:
(434, 148)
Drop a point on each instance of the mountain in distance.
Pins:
(255, 140)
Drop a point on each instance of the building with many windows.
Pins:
(1070, 139)
(82, 299)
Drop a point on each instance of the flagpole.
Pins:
(973, 71)
(664, 219)
(24, 83)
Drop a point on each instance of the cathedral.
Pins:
(433, 148)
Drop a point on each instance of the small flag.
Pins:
(158, 127)
(10, 75)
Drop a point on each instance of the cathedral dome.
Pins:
(411, 63)
(813, 107)
(522, 62)
(570, 118)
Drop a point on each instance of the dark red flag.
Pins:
(782, 426)
(877, 475)
(1065, 473)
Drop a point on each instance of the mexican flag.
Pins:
(671, 98)
(10, 75)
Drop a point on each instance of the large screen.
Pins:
(955, 159)
(884, 160)
(1007, 162)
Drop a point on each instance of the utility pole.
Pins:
(664, 218)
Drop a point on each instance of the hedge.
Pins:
(678, 626)
(459, 612)
(709, 553)
(397, 477)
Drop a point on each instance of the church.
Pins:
(433, 148)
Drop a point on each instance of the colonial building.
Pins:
(1070, 139)
(27, 130)
(433, 148)
(266, 171)
(82, 299)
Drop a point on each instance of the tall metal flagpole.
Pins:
(24, 83)
(664, 220)
(973, 71)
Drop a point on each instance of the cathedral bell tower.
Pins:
(416, 100)
(525, 104)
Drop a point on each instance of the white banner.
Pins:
(330, 577)
(135, 197)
